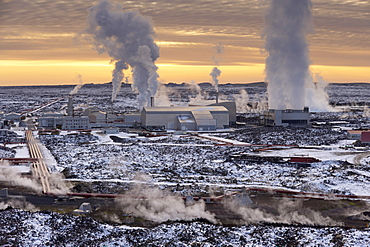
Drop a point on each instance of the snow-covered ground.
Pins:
(188, 166)
(21, 228)
(167, 160)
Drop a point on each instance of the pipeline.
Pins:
(113, 196)
(275, 192)
(307, 195)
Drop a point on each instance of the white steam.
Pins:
(196, 90)
(128, 38)
(18, 203)
(287, 24)
(316, 97)
(366, 112)
(216, 72)
(245, 104)
(161, 97)
(288, 212)
(11, 175)
(78, 86)
(156, 206)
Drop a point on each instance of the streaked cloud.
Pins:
(41, 30)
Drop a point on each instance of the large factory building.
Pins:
(200, 118)
(288, 117)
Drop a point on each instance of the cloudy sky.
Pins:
(38, 44)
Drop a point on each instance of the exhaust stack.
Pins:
(152, 101)
(70, 106)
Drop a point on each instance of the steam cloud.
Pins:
(194, 90)
(288, 212)
(244, 104)
(288, 22)
(159, 207)
(216, 72)
(78, 86)
(128, 38)
(9, 174)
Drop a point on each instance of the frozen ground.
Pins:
(189, 165)
(196, 164)
(21, 228)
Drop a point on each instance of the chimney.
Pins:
(217, 96)
(152, 101)
(70, 106)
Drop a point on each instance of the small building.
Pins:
(72, 123)
(365, 137)
(98, 117)
(288, 117)
(15, 117)
(355, 134)
(201, 118)
(111, 130)
(84, 208)
(132, 119)
(50, 122)
(90, 110)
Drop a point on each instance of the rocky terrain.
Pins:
(182, 165)
(22, 228)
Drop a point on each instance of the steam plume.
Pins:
(161, 98)
(216, 72)
(159, 208)
(288, 212)
(194, 90)
(245, 104)
(9, 174)
(128, 38)
(78, 86)
(316, 97)
(288, 22)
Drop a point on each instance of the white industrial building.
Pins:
(288, 117)
(201, 118)
(229, 105)
(72, 123)
(100, 119)
(50, 122)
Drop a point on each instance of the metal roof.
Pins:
(184, 109)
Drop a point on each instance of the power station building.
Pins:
(229, 105)
(200, 118)
(288, 117)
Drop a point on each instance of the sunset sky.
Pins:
(38, 43)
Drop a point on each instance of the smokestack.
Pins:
(152, 101)
(70, 106)
(217, 96)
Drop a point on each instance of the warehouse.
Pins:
(201, 118)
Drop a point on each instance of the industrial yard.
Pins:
(242, 181)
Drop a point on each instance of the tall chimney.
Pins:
(217, 96)
(152, 101)
(70, 106)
